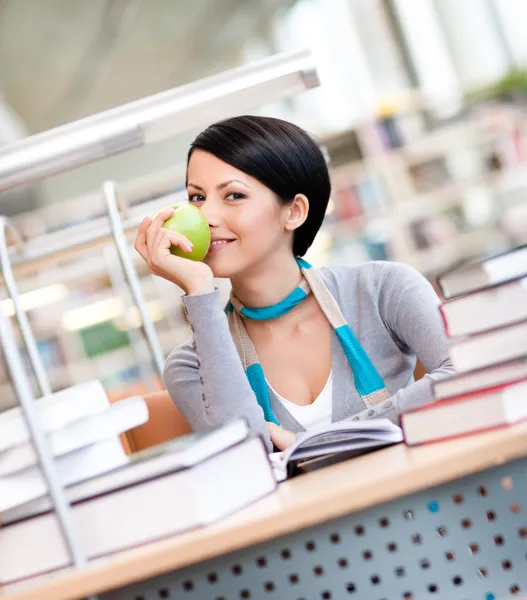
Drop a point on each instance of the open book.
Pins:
(332, 443)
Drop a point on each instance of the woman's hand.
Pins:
(153, 243)
(281, 438)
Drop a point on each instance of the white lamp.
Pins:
(155, 118)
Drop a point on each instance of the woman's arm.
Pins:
(205, 378)
(409, 308)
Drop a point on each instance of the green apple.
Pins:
(191, 222)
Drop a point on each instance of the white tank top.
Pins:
(312, 415)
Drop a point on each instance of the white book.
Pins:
(152, 508)
(180, 453)
(482, 273)
(492, 307)
(55, 411)
(72, 467)
(491, 376)
(490, 347)
(117, 418)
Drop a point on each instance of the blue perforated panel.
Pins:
(466, 540)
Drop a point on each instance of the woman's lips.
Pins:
(217, 245)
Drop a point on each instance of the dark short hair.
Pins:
(280, 155)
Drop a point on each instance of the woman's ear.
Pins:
(297, 212)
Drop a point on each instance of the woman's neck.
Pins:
(269, 283)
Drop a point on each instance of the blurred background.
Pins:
(421, 111)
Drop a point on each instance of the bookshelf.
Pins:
(430, 195)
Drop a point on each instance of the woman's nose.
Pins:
(212, 212)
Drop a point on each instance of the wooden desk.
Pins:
(389, 494)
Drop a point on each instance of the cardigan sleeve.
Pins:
(205, 377)
(409, 308)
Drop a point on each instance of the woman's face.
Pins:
(246, 220)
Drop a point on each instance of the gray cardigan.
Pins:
(391, 309)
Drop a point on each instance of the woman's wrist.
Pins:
(201, 290)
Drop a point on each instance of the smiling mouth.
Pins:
(218, 245)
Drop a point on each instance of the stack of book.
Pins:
(117, 501)
(82, 428)
(485, 317)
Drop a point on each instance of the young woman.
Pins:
(296, 347)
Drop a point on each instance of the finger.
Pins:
(156, 224)
(164, 240)
(178, 239)
(140, 238)
(144, 225)
(162, 215)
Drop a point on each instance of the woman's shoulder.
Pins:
(370, 276)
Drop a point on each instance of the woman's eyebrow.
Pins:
(226, 183)
(220, 186)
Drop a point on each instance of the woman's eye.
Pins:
(196, 198)
(236, 196)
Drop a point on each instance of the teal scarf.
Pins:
(368, 382)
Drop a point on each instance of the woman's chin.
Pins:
(222, 269)
(222, 273)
